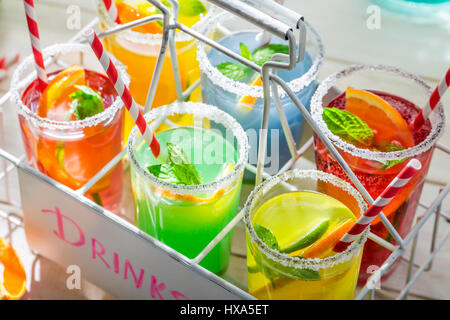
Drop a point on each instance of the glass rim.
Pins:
(241, 88)
(201, 109)
(155, 38)
(51, 51)
(317, 111)
(296, 262)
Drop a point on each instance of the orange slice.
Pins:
(188, 197)
(327, 242)
(14, 276)
(248, 101)
(135, 10)
(381, 117)
(59, 88)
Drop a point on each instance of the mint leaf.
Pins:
(304, 274)
(264, 54)
(272, 269)
(191, 8)
(234, 71)
(179, 170)
(386, 146)
(86, 102)
(184, 170)
(266, 236)
(348, 127)
(245, 52)
(164, 172)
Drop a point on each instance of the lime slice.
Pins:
(307, 239)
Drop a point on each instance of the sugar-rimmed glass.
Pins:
(281, 276)
(188, 217)
(139, 52)
(368, 165)
(225, 93)
(63, 149)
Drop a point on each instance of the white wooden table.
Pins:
(424, 50)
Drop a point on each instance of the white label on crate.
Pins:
(109, 251)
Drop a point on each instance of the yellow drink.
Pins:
(139, 50)
(279, 266)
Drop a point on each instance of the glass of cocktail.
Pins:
(77, 116)
(293, 221)
(238, 91)
(366, 111)
(421, 11)
(186, 211)
(139, 47)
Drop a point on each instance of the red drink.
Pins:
(72, 151)
(377, 163)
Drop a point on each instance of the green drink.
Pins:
(187, 216)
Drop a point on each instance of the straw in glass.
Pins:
(35, 44)
(123, 92)
(435, 97)
(112, 10)
(383, 199)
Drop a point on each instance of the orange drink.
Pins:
(139, 47)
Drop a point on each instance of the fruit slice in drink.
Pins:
(74, 128)
(187, 196)
(292, 235)
(370, 126)
(139, 47)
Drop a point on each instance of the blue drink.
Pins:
(421, 11)
(225, 93)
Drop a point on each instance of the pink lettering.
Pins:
(155, 288)
(178, 295)
(100, 253)
(60, 232)
(116, 262)
(137, 281)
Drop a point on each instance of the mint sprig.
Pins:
(245, 52)
(264, 54)
(272, 269)
(234, 71)
(266, 236)
(178, 170)
(86, 102)
(348, 127)
(237, 71)
(386, 146)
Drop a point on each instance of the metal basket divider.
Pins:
(376, 276)
(397, 253)
(169, 24)
(261, 20)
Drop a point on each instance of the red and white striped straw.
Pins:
(35, 44)
(112, 10)
(383, 199)
(435, 97)
(123, 92)
(9, 60)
